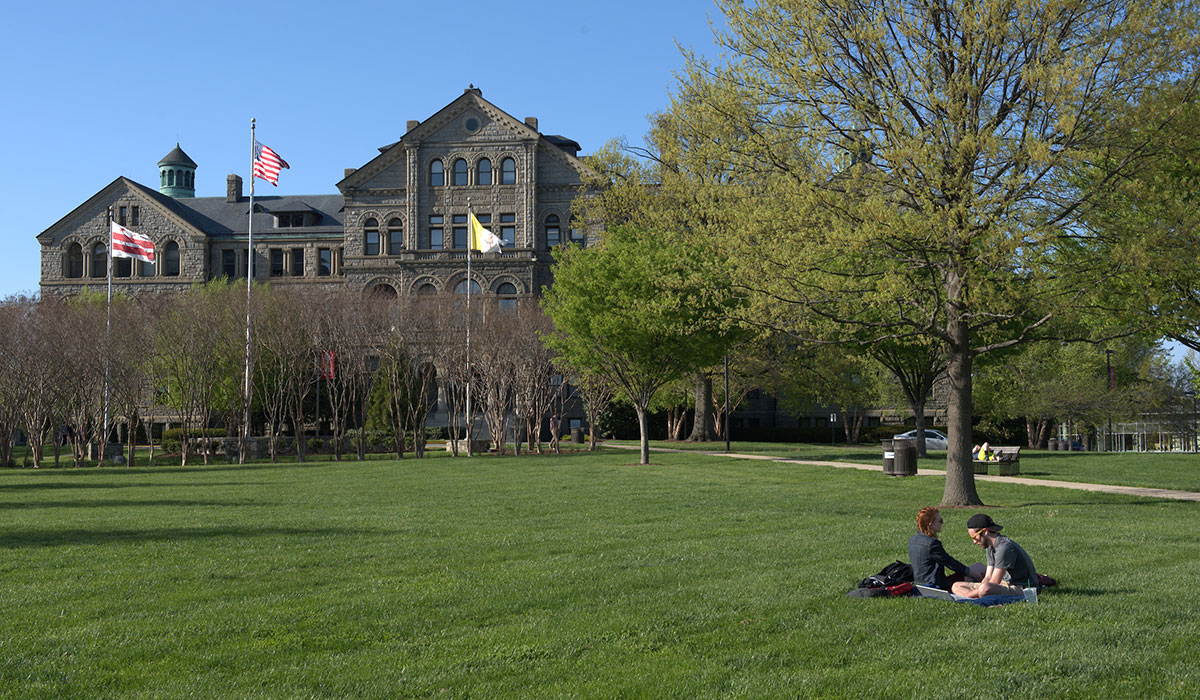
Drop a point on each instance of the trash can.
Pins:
(577, 436)
(889, 458)
(1054, 444)
(905, 463)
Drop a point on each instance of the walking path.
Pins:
(1077, 485)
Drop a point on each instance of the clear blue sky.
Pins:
(99, 90)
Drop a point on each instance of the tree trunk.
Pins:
(702, 426)
(960, 473)
(918, 409)
(132, 435)
(645, 431)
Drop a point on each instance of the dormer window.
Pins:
(291, 220)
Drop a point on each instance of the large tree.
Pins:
(911, 170)
(640, 312)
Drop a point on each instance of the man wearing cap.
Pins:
(1009, 569)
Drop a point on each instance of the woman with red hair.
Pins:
(926, 554)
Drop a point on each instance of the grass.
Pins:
(574, 576)
(1167, 470)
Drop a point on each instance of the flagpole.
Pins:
(107, 343)
(249, 282)
(468, 416)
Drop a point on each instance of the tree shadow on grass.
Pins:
(113, 503)
(55, 486)
(37, 538)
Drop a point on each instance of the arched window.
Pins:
(74, 261)
(171, 259)
(437, 174)
(460, 173)
(122, 267)
(162, 175)
(370, 237)
(426, 290)
(461, 287)
(553, 233)
(483, 172)
(574, 233)
(508, 172)
(170, 178)
(395, 237)
(190, 175)
(382, 292)
(508, 295)
(99, 260)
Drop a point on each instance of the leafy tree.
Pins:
(639, 312)
(912, 170)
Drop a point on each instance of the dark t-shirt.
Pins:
(1009, 555)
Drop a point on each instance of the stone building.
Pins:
(398, 224)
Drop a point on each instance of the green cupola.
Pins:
(177, 174)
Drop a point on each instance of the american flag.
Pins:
(130, 244)
(267, 163)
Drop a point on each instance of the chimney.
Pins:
(412, 124)
(233, 188)
(531, 122)
(348, 172)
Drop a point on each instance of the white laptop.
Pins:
(930, 592)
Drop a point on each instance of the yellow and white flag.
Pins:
(482, 239)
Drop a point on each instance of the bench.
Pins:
(1007, 461)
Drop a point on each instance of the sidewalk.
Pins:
(1078, 486)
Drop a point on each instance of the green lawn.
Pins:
(573, 576)
(1168, 470)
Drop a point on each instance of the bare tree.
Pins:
(534, 387)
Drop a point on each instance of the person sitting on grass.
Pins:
(927, 555)
(1009, 568)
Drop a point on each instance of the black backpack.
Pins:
(893, 574)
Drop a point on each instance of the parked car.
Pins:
(934, 439)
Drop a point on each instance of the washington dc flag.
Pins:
(129, 244)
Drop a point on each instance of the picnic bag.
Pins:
(892, 575)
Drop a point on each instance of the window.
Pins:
(553, 234)
(121, 211)
(508, 229)
(437, 174)
(291, 220)
(324, 262)
(145, 269)
(426, 290)
(229, 263)
(508, 172)
(395, 237)
(507, 293)
(122, 267)
(74, 266)
(483, 172)
(371, 237)
(461, 287)
(171, 259)
(277, 266)
(135, 217)
(435, 231)
(483, 218)
(171, 178)
(574, 233)
(297, 262)
(460, 231)
(460, 173)
(99, 260)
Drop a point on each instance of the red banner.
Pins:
(326, 364)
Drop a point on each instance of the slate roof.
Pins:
(217, 217)
(177, 157)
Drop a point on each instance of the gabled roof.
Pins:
(108, 193)
(471, 97)
(215, 216)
